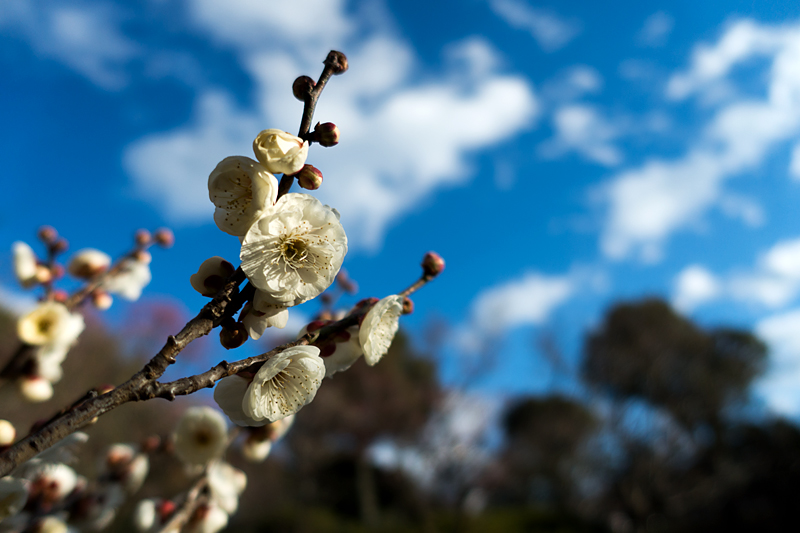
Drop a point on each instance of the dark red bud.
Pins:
(337, 61)
(309, 178)
(408, 306)
(47, 234)
(326, 134)
(164, 237)
(234, 337)
(142, 237)
(60, 246)
(302, 87)
(432, 264)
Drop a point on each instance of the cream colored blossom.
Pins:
(50, 323)
(240, 189)
(133, 276)
(7, 433)
(280, 152)
(339, 353)
(25, 265)
(281, 387)
(264, 315)
(379, 328)
(88, 263)
(208, 518)
(293, 253)
(53, 481)
(35, 389)
(226, 484)
(201, 435)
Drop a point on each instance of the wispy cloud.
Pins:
(649, 203)
(656, 29)
(550, 31)
(780, 386)
(84, 37)
(773, 282)
(581, 128)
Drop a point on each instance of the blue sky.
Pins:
(559, 155)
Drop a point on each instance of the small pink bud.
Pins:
(57, 271)
(151, 443)
(302, 87)
(165, 510)
(164, 237)
(47, 234)
(408, 306)
(102, 300)
(142, 237)
(326, 134)
(233, 337)
(337, 61)
(309, 178)
(432, 264)
(143, 256)
(60, 295)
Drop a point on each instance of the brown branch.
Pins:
(194, 499)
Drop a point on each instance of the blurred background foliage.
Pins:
(662, 437)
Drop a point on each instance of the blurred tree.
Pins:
(645, 350)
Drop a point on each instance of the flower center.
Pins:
(295, 253)
(45, 325)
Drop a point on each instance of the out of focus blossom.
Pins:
(50, 323)
(226, 484)
(88, 263)
(13, 495)
(201, 435)
(24, 264)
(132, 277)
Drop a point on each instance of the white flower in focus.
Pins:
(229, 395)
(240, 189)
(280, 152)
(293, 253)
(379, 328)
(201, 435)
(25, 266)
(50, 323)
(226, 484)
(133, 276)
(287, 382)
(88, 263)
(7, 433)
(13, 496)
(35, 389)
(210, 277)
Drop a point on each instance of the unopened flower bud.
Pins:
(210, 277)
(60, 295)
(35, 389)
(309, 178)
(143, 256)
(105, 388)
(101, 299)
(302, 87)
(43, 274)
(432, 264)
(164, 237)
(233, 337)
(88, 263)
(408, 306)
(326, 134)
(151, 444)
(57, 271)
(337, 61)
(346, 283)
(60, 246)
(7, 433)
(47, 234)
(142, 237)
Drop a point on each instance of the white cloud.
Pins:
(773, 282)
(84, 37)
(388, 159)
(582, 129)
(528, 300)
(649, 203)
(694, 285)
(549, 30)
(781, 384)
(794, 165)
(656, 29)
(572, 83)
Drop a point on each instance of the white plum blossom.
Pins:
(208, 518)
(210, 277)
(339, 353)
(51, 481)
(256, 322)
(293, 253)
(52, 524)
(7, 433)
(226, 484)
(88, 263)
(280, 152)
(281, 387)
(379, 328)
(125, 464)
(35, 389)
(25, 264)
(132, 277)
(50, 323)
(259, 442)
(240, 189)
(144, 515)
(13, 496)
(201, 435)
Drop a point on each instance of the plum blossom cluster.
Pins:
(46, 494)
(52, 327)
